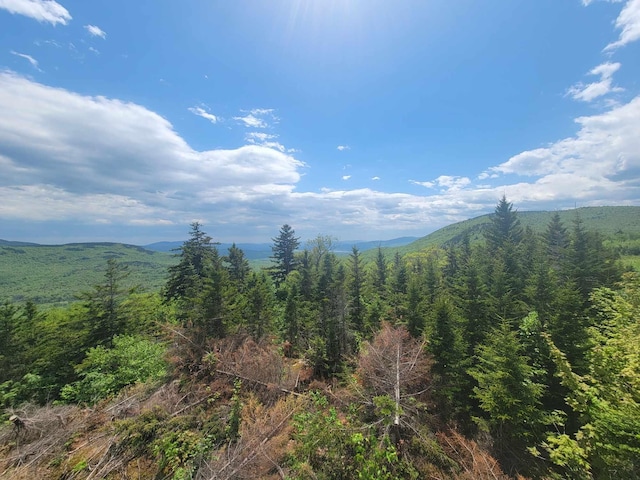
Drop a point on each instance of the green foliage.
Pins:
(178, 452)
(104, 316)
(284, 247)
(235, 416)
(608, 398)
(105, 371)
(506, 388)
(331, 445)
(55, 275)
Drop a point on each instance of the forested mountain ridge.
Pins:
(513, 356)
(55, 274)
(616, 221)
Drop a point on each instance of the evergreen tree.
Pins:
(505, 227)
(197, 284)
(556, 243)
(290, 320)
(506, 390)
(259, 305)
(380, 273)
(306, 273)
(284, 247)
(237, 265)
(415, 313)
(450, 361)
(9, 347)
(186, 279)
(104, 315)
(356, 287)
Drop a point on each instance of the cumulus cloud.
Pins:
(95, 31)
(74, 149)
(591, 91)
(346, 177)
(40, 10)
(29, 58)
(375, 178)
(342, 148)
(601, 162)
(201, 112)
(92, 160)
(629, 23)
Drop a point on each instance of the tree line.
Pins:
(531, 339)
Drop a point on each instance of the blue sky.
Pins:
(361, 119)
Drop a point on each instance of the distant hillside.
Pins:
(262, 251)
(8, 243)
(53, 275)
(610, 221)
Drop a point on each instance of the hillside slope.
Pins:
(621, 222)
(54, 274)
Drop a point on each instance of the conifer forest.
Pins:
(503, 353)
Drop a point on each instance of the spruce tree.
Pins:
(237, 265)
(506, 390)
(356, 287)
(284, 247)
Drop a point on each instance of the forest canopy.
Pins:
(516, 347)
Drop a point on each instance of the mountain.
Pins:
(8, 243)
(55, 274)
(619, 224)
(262, 251)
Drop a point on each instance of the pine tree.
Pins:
(506, 389)
(104, 316)
(505, 227)
(356, 286)
(556, 242)
(237, 265)
(259, 305)
(415, 313)
(196, 257)
(447, 346)
(284, 247)
(380, 273)
(197, 284)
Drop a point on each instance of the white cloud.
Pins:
(201, 112)
(255, 137)
(448, 183)
(95, 31)
(591, 91)
(82, 160)
(375, 178)
(601, 162)
(629, 22)
(40, 10)
(84, 148)
(346, 177)
(266, 140)
(252, 121)
(29, 58)
(342, 148)
(256, 118)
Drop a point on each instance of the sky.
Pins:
(128, 120)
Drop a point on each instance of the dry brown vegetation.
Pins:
(180, 430)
